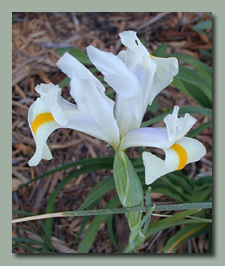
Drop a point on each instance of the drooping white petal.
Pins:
(51, 96)
(146, 137)
(194, 148)
(156, 167)
(42, 124)
(167, 68)
(50, 112)
(184, 151)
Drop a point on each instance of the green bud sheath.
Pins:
(129, 190)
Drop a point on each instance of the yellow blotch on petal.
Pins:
(152, 56)
(41, 119)
(182, 154)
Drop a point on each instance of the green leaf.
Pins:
(201, 67)
(168, 191)
(127, 182)
(106, 185)
(84, 222)
(111, 231)
(28, 248)
(183, 235)
(92, 230)
(203, 25)
(136, 229)
(128, 185)
(148, 203)
(154, 107)
(160, 51)
(165, 223)
(199, 129)
(103, 160)
(29, 241)
(84, 169)
(194, 85)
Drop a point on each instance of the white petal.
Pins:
(115, 73)
(129, 99)
(41, 130)
(90, 97)
(176, 158)
(156, 167)
(51, 96)
(131, 41)
(146, 137)
(184, 124)
(194, 148)
(51, 112)
(96, 105)
(178, 127)
(171, 123)
(72, 67)
(144, 69)
(126, 115)
(167, 68)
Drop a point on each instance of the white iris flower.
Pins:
(137, 77)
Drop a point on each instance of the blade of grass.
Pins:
(171, 207)
(183, 235)
(106, 160)
(92, 230)
(84, 169)
(111, 231)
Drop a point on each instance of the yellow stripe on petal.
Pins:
(41, 119)
(182, 154)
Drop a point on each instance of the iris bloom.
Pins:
(137, 77)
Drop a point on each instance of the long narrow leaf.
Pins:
(183, 235)
(49, 208)
(92, 230)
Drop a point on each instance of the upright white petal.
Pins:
(115, 73)
(178, 127)
(96, 105)
(131, 41)
(129, 78)
(90, 96)
(72, 67)
(166, 68)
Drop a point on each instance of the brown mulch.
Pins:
(35, 39)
